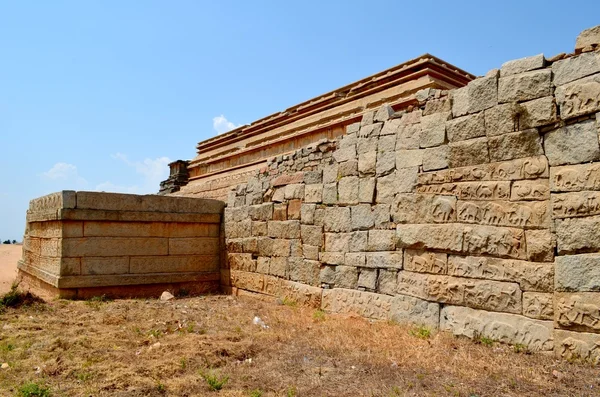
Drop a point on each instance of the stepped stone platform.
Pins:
(82, 244)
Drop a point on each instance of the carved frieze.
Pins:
(424, 208)
(482, 294)
(577, 346)
(470, 190)
(525, 168)
(575, 204)
(574, 178)
(494, 241)
(504, 213)
(538, 305)
(425, 262)
(579, 97)
(580, 311)
(531, 276)
(538, 189)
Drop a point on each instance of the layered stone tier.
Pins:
(229, 159)
(81, 244)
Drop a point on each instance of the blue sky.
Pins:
(101, 95)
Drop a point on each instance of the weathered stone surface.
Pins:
(310, 252)
(312, 235)
(579, 97)
(577, 273)
(525, 86)
(381, 240)
(261, 212)
(470, 152)
(423, 208)
(279, 267)
(390, 127)
(367, 118)
(578, 311)
(483, 93)
(425, 262)
(346, 277)
(439, 105)
(515, 145)
(433, 129)
(287, 179)
(575, 178)
(348, 190)
(294, 191)
(330, 173)
(337, 242)
(574, 68)
(279, 247)
(383, 113)
(536, 113)
(480, 294)
(239, 262)
(502, 119)
(409, 158)
(283, 229)
(327, 275)
(577, 346)
(575, 204)
(358, 241)
(401, 181)
(435, 158)
(529, 168)
(362, 217)
(355, 259)
(470, 190)
(531, 276)
(366, 304)
(366, 190)
(332, 258)
(367, 278)
(345, 154)
(337, 219)
(588, 38)
(538, 189)
(313, 193)
(522, 65)
(441, 237)
(577, 235)
(576, 143)
(386, 260)
(386, 163)
(307, 213)
(538, 305)
(408, 136)
(505, 213)
(503, 327)
(540, 245)
(352, 128)
(466, 127)
(411, 310)
(305, 271)
(330, 193)
(370, 130)
(293, 209)
(365, 145)
(460, 101)
(386, 284)
(367, 162)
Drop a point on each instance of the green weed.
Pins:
(319, 315)
(256, 393)
(214, 381)
(32, 389)
(421, 332)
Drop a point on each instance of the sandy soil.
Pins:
(9, 255)
(146, 348)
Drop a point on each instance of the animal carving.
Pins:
(519, 215)
(581, 98)
(443, 209)
(493, 214)
(484, 192)
(469, 212)
(534, 168)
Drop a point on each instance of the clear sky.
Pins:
(101, 95)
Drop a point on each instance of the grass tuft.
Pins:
(421, 332)
(32, 389)
(214, 381)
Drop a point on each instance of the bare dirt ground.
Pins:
(9, 255)
(176, 348)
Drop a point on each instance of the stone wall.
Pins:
(83, 244)
(475, 212)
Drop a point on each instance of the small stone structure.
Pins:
(83, 244)
(475, 211)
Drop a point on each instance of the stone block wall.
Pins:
(83, 244)
(476, 212)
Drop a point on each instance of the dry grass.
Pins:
(98, 348)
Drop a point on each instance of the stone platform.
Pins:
(82, 244)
